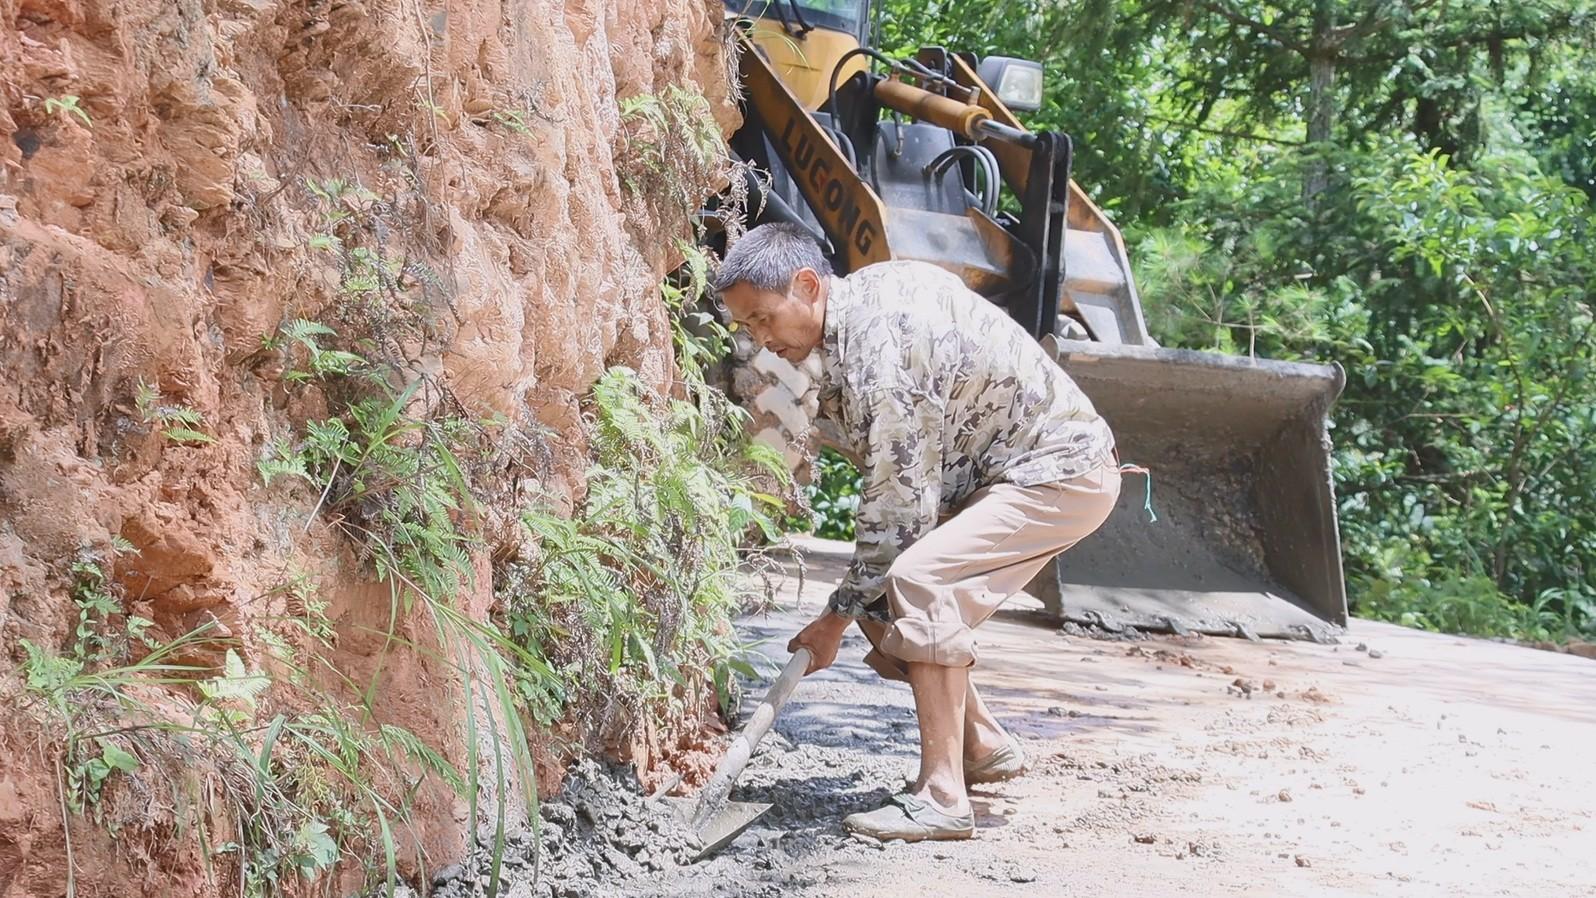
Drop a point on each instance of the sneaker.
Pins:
(912, 820)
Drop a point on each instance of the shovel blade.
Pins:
(721, 829)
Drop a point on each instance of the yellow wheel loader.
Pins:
(923, 158)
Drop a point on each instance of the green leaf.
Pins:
(187, 435)
(236, 683)
(117, 759)
(317, 850)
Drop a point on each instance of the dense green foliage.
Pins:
(631, 598)
(833, 495)
(1399, 186)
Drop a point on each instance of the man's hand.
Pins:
(821, 637)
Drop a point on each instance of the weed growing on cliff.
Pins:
(389, 297)
(68, 103)
(395, 485)
(632, 597)
(301, 339)
(699, 337)
(178, 423)
(672, 153)
(509, 119)
(295, 790)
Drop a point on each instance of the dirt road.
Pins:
(1416, 765)
(1396, 763)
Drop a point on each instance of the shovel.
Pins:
(716, 820)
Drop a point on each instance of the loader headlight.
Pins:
(1018, 82)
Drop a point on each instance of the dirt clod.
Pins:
(1303, 862)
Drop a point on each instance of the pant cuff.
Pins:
(887, 666)
(919, 641)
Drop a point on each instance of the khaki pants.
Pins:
(954, 577)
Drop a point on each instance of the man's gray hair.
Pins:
(768, 256)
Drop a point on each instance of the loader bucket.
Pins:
(1245, 542)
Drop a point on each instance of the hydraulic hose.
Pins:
(983, 157)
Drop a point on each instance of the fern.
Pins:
(178, 423)
(646, 565)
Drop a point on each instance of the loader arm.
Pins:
(1098, 287)
(850, 213)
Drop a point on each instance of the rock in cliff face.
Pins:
(178, 180)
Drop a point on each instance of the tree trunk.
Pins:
(1321, 102)
(1321, 120)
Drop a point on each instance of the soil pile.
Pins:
(599, 833)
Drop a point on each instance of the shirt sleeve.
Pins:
(901, 485)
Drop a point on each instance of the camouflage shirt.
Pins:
(940, 394)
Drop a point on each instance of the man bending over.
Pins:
(953, 410)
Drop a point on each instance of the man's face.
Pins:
(788, 324)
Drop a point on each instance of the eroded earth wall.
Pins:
(179, 179)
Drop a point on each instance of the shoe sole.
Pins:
(937, 836)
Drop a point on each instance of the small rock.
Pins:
(1376, 654)
(1303, 862)
(1285, 795)
(1022, 874)
(1363, 646)
(1269, 685)
(1056, 711)
(448, 874)
(867, 841)
(1146, 838)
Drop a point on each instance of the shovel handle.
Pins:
(713, 796)
(776, 696)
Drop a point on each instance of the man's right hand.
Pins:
(821, 637)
